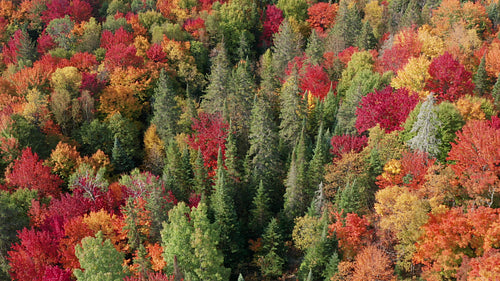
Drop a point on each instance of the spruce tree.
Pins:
(121, 161)
(166, 113)
(260, 213)
(481, 79)
(174, 176)
(270, 259)
(316, 171)
(287, 45)
(225, 218)
(207, 260)
(293, 110)
(314, 49)
(239, 101)
(495, 93)
(218, 81)
(347, 26)
(426, 128)
(200, 180)
(366, 39)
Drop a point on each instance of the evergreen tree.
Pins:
(208, 261)
(239, 101)
(176, 241)
(347, 26)
(233, 160)
(26, 53)
(481, 79)
(292, 111)
(200, 180)
(426, 128)
(240, 278)
(269, 85)
(99, 260)
(316, 171)
(314, 49)
(121, 161)
(297, 194)
(218, 81)
(260, 213)
(330, 109)
(166, 113)
(225, 218)
(366, 39)
(411, 14)
(270, 259)
(495, 93)
(176, 172)
(287, 45)
(127, 132)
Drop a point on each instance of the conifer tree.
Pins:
(218, 81)
(292, 110)
(287, 45)
(176, 240)
(495, 93)
(269, 85)
(200, 179)
(481, 79)
(260, 213)
(239, 101)
(316, 171)
(233, 160)
(347, 25)
(426, 128)
(175, 177)
(270, 259)
(366, 39)
(208, 261)
(166, 113)
(225, 218)
(121, 161)
(314, 49)
(330, 109)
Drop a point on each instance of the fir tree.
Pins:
(218, 88)
(200, 180)
(314, 49)
(166, 113)
(495, 93)
(174, 176)
(347, 26)
(121, 161)
(330, 109)
(225, 218)
(292, 111)
(481, 79)
(366, 39)
(316, 171)
(270, 259)
(287, 45)
(426, 128)
(239, 101)
(260, 213)
(208, 261)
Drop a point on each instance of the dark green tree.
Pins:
(316, 171)
(366, 39)
(225, 217)
(482, 80)
(128, 134)
(121, 161)
(201, 184)
(95, 135)
(175, 176)
(495, 93)
(239, 101)
(260, 214)
(166, 112)
(270, 259)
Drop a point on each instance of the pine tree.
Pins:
(270, 259)
(175, 178)
(314, 49)
(208, 261)
(200, 180)
(426, 128)
(99, 259)
(269, 85)
(233, 160)
(166, 113)
(481, 79)
(218, 88)
(366, 39)
(287, 45)
(316, 171)
(260, 213)
(292, 111)
(225, 218)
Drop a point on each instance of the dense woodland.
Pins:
(249, 140)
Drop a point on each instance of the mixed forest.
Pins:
(146, 140)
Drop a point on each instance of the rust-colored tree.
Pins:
(372, 263)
